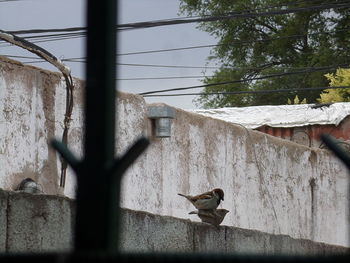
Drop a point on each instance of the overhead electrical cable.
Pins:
(160, 78)
(178, 21)
(238, 42)
(139, 25)
(302, 70)
(243, 92)
(135, 65)
(249, 79)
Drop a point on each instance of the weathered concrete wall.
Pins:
(44, 223)
(35, 222)
(32, 111)
(270, 184)
(146, 232)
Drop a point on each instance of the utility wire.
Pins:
(209, 67)
(244, 92)
(134, 65)
(318, 69)
(238, 42)
(178, 21)
(56, 37)
(39, 60)
(159, 78)
(225, 17)
(302, 70)
(166, 66)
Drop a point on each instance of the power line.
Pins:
(225, 17)
(134, 64)
(39, 60)
(51, 30)
(49, 39)
(159, 78)
(166, 66)
(302, 70)
(176, 66)
(245, 92)
(238, 42)
(311, 70)
(178, 21)
(308, 69)
(167, 50)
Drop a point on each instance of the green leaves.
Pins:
(275, 43)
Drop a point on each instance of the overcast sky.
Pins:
(29, 14)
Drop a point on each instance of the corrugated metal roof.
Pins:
(282, 115)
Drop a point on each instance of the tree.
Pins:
(261, 45)
(340, 78)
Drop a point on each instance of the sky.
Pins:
(32, 14)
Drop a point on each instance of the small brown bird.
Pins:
(206, 201)
(213, 217)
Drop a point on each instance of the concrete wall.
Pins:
(271, 185)
(35, 222)
(32, 105)
(44, 223)
(146, 232)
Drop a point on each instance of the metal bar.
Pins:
(99, 174)
(332, 144)
(96, 205)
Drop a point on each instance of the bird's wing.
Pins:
(207, 193)
(204, 196)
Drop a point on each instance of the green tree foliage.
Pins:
(271, 44)
(340, 78)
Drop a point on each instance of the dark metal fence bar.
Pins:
(333, 144)
(99, 173)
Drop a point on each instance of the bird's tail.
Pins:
(193, 213)
(188, 197)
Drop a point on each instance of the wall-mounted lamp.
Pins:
(161, 115)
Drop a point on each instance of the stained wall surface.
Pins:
(271, 185)
(45, 223)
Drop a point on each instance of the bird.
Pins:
(206, 201)
(28, 185)
(213, 217)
